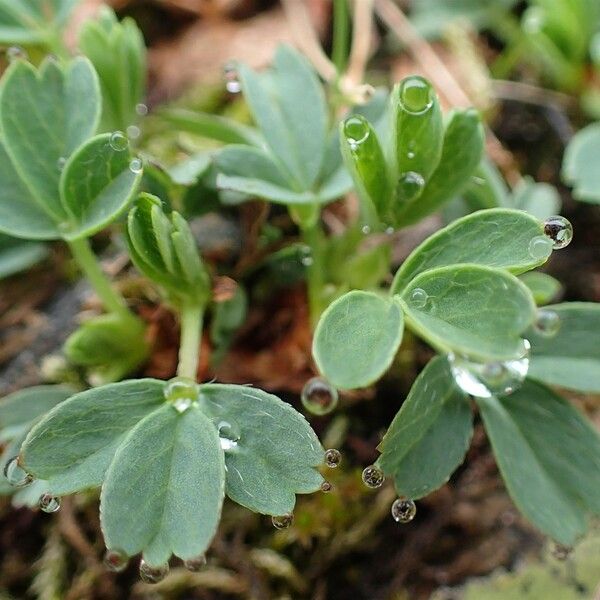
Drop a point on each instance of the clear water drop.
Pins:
(389, 230)
(307, 261)
(133, 132)
(333, 458)
(547, 322)
(540, 247)
(231, 78)
(403, 510)
(486, 379)
(410, 154)
(416, 94)
(373, 477)
(119, 141)
(560, 551)
(365, 229)
(282, 521)
(195, 564)
(559, 231)
(49, 503)
(418, 298)
(326, 487)
(150, 574)
(356, 131)
(181, 392)
(228, 436)
(16, 53)
(318, 396)
(115, 560)
(136, 165)
(410, 185)
(141, 109)
(16, 475)
(60, 163)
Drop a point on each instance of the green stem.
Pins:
(192, 317)
(314, 238)
(87, 261)
(341, 29)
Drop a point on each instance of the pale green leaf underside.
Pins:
(497, 237)
(580, 164)
(277, 452)
(474, 310)
(357, 337)
(430, 435)
(571, 358)
(74, 443)
(549, 456)
(20, 256)
(164, 489)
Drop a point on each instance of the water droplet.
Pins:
(389, 230)
(326, 487)
(141, 109)
(416, 94)
(115, 560)
(232, 82)
(16, 53)
(410, 154)
(196, 563)
(560, 551)
(534, 19)
(119, 141)
(373, 477)
(49, 503)
(540, 247)
(356, 130)
(318, 396)
(418, 298)
(559, 231)
(410, 185)
(307, 261)
(228, 435)
(486, 379)
(333, 458)
(16, 475)
(60, 163)
(547, 322)
(133, 132)
(136, 165)
(403, 510)
(366, 229)
(282, 521)
(149, 574)
(182, 392)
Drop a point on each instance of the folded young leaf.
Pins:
(165, 486)
(497, 237)
(271, 452)
(72, 446)
(357, 338)
(46, 115)
(549, 457)
(571, 357)
(430, 435)
(474, 310)
(579, 168)
(96, 186)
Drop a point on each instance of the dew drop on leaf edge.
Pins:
(151, 574)
(318, 396)
(141, 109)
(403, 510)
(326, 487)
(118, 141)
(540, 247)
(373, 477)
(282, 521)
(14, 53)
(418, 298)
(195, 564)
(49, 503)
(356, 130)
(560, 551)
(228, 436)
(416, 94)
(333, 458)
(136, 165)
(559, 231)
(231, 78)
(16, 475)
(181, 392)
(410, 185)
(547, 322)
(115, 560)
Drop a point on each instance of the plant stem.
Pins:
(192, 317)
(88, 262)
(314, 238)
(341, 28)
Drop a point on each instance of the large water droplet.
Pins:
(136, 165)
(115, 560)
(141, 109)
(318, 396)
(282, 521)
(16, 53)
(16, 475)
(559, 231)
(540, 247)
(356, 130)
(486, 379)
(547, 322)
(373, 477)
(231, 78)
(182, 392)
(49, 503)
(119, 141)
(150, 574)
(403, 510)
(228, 435)
(418, 298)
(416, 94)
(333, 458)
(410, 185)
(195, 564)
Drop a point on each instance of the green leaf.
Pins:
(430, 435)
(46, 115)
(549, 457)
(164, 489)
(580, 164)
(357, 338)
(96, 186)
(544, 287)
(496, 237)
(259, 188)
(541, 200)
(571, 358)
(18, 255)
(250, 163)
(473, 310)
(274, 453)
(461, 154)
(73, 445)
